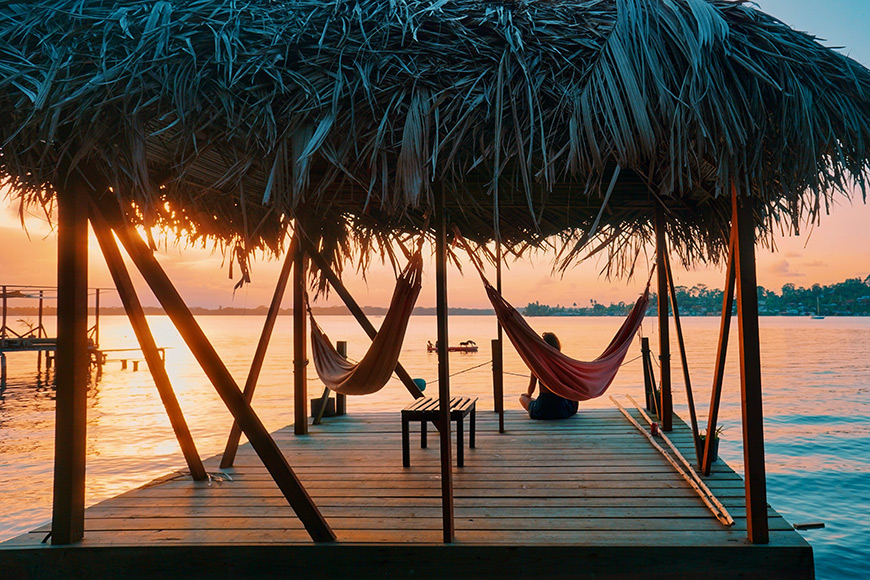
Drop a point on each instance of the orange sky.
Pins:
(837, 249)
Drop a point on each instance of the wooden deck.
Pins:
(582, 498)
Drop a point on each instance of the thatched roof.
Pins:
(224, 119)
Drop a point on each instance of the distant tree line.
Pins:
(848, 298)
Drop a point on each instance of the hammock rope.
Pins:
(374, 370)
(569, 378)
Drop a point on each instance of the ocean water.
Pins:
(816, 380)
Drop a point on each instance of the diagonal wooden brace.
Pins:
(214, 368)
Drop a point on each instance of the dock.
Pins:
(588, 497)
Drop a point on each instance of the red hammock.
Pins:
(374, 370)
(573, 379)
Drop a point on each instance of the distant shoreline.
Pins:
(380, 311)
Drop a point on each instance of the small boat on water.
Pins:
(818, 315)
(465, 346)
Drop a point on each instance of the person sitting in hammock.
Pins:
(548, 405)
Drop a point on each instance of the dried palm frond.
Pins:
(225, 121)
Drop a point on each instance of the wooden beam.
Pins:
(71, 360)
(750, 372)
(220, 377)
(449, 526)
(232, 445)
(156, 365)
(690, 398)
(498, 351)
(721, 351)
(356, 311)
(300, 343)
(666, 405)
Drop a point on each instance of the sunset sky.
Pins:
(837, 249)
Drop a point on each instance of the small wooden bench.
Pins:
(427, 409)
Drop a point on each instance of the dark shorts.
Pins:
(551, 406)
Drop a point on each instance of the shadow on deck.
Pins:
(583, 498)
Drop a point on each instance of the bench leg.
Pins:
(471, 428)
(424, 434)
(406, 443)
(460, 455)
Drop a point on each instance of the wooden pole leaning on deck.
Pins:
(71, 360)
(666, 404)
(750, 371)
(356, 311)
(722, 349)
(156, 365)
(449, 526)
(220, 377)
(232, 445)
(690, 398)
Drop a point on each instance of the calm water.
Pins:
(817, 410)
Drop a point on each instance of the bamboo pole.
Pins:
(356, 311)
(71, 359)
(750, 372)
(156, 366)
(666, 405)
(213, 366)
(449, 529)
(686, 470)
(690, 398)
(232, 445)
(721, 351)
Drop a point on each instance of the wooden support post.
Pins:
(40, 331)
(232, 445)
(340, 399)
(2, 370)
(443, 366)
(213, 366)
(649, 387)
(300, 343)
(136, 315)
(357, 312)
(498, 353)
(690, 398)
(750, 372)
(666, 405)
(97, 319)
(498, 381)
(3, 325)
(68, 517)
(721, 351)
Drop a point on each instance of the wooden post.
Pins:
(340, 399)
(498, 353)
(649, 387)
(232, 445)
(3, 325)
(39, 332)
(136, 315)
(224, 383)
(68, 511)
(750, 372)
(300, 343)
(690, 399)
(443, 366)
(357, 312)
(666, 405)
(97, 319)
(722, 349)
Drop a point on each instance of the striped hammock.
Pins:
(371, 373)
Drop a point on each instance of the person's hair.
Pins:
(552, 340)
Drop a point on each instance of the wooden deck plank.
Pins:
(589, 486)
